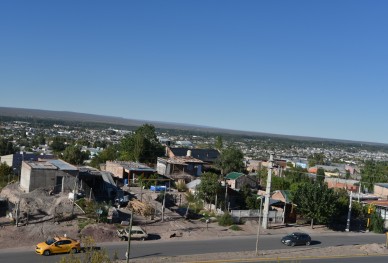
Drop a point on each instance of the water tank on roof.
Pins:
(188, 152)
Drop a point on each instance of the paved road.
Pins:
(175, 247)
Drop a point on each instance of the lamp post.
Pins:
(258, 226)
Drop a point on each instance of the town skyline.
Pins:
(69, 116)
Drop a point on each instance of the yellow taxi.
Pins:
(58, 245)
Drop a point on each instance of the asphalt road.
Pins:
(179, 247)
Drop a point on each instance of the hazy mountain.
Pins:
(84, 117)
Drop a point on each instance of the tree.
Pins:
(314, 201)
(320, 175)
(110, 153)
(74, 155)
(376, 222)
(141, 146)
(374, 172)
(5, 174)
(230, 160)
(316, 158)
(5, 169)
(209, 187)
(6, 147)
(280, 183)
(219, 143)
(58, 144)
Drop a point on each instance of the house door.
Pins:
(58, 184)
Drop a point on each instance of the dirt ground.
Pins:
(42, 226)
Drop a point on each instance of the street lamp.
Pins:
(258, 226)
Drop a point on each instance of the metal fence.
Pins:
(273, 216)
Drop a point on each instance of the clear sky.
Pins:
(308, 68)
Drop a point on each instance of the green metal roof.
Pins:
(233, 175)
(286, 194)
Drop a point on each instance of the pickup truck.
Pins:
(136, 233)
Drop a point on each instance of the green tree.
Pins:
(5, 174)
(231, 159)
(38, 140)
(74, 155)
(219, 145)
(374, 172)
(280, 183)
(209, 187)
(262, 175)
(314, 201)
(320, 175)
(316, 158)
(376, 223)
(110, 153)
(58, 144)
(5, 169)
(141, 146)
(6, 147)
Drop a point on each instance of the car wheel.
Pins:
(74, 250)
(143, 238)
(47, 253)
(292, 244)
(124, 238)
(308, 243)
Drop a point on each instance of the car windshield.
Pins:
(50, 241)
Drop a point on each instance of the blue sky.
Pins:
(308, 68)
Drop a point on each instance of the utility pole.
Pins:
(349, 213)
(74, 195)
(164, 203)
(129, 238)
(267, 193)
(226, 196)
(258, 226)
(17, 213)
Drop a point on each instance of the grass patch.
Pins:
(82, 223)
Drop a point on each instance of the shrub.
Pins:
(225, 220)
(377, 223)
(181, 186)
(235, 228)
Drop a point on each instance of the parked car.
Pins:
(58, 245)
(296, 239)
(136, 233)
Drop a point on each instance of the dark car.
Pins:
(296, 239)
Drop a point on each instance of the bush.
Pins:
(377, 223)
(181, 186)
(225, 220)
(235, 228)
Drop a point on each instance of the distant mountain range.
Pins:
(93, 118)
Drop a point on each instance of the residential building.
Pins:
(238, 180)
(57, 175)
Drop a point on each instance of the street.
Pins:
(148, 249)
